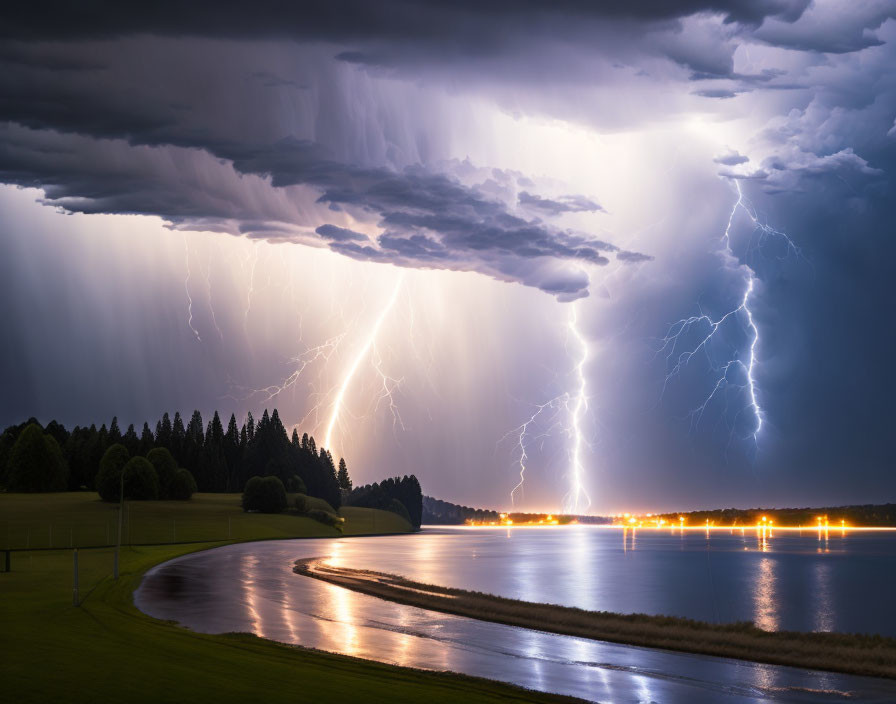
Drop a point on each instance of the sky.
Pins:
(594, 257)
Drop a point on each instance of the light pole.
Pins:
(120, 515)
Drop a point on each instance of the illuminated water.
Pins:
(789, 581)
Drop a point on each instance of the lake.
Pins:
(787, 580)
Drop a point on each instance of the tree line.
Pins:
(399, 495)
(219, 459)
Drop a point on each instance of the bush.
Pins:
(328, 519)
(182, 486)
(166, 468)
(395, 506)
(301, 503)
(36, 462)
(141, 482)
(108, 478)
(295, 485)
(265, 494)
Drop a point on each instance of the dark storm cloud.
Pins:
(354, 19)
(339, 234)
(558, 206)
(428, 217)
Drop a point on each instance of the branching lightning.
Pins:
(187, 289)
(566, 413)
(578, 501)
(696, 335)
(208, 287)
(364, 350)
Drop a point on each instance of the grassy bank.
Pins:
(107, 650)
(854, 654)
(76, 519)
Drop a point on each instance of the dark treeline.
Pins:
(220, 460)
(399, 495)
(857, 515)
(438, 512)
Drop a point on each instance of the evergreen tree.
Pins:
(114, 431)
(232, 454)
(345, 482)
(178, 437)
(250, 426)
(147, 442)
(131, 441)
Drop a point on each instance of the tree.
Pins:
(108, 478)
(141, 483)
(345, 482)
(147, 442)
(114, 431)
(183, 486)
(36, 462)
(265, 494)
(166, 467)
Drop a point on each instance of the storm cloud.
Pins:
(651, 153)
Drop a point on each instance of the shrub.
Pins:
(395, 506)
(166, 468)
(328, 519)
(108, 478)
(182, 486)
(301, 503)
(265, 494)
(36, 462)
(141, 482)
(295, 485)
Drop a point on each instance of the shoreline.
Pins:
(835, 652)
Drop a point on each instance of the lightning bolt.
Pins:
(364, 350)
(208, 287)
(565, 411)
(251, 289)
(695, 335)
(550, 408)
(578, 501)
(187, 289)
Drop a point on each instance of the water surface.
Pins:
(792, 581)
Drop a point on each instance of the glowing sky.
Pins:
(381, 218)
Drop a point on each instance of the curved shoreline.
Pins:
(847, 653)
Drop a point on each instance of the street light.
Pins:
(120, 514)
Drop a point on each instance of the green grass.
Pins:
(107, 650)
(76, 519)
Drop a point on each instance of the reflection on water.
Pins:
(781, 582)
(766, 614)
(824, 608)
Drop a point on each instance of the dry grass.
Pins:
(838, 652)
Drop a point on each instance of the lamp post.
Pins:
(120, 515)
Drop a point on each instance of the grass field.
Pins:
(107, 650)
(76, 519)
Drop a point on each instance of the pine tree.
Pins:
(345, 482)
(147, 442)
(114, 431)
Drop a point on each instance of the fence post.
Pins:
(75, 599)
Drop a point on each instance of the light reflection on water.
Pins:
(777, 580)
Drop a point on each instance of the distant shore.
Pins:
(837, 652)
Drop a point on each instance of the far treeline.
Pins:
(34, 458)
(438, 512)
(875, 515)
